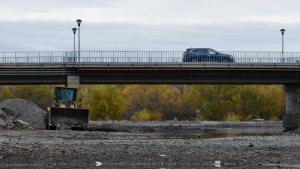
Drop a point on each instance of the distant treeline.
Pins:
(166, 102)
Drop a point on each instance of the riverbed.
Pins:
(161, 145)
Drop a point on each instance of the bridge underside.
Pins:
(141, 73)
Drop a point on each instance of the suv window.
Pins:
(212, 52)
(200, 51)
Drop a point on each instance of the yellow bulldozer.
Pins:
(64, 114)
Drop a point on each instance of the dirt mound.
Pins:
(16, 112)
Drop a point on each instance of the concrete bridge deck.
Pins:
(150, 73)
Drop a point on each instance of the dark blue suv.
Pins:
(205, 55)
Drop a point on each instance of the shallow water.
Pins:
(209, 135)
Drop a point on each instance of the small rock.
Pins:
(251, 145)
(2, 123)
(3, 119)
(10, 151)
(3, 115)
(20, 124)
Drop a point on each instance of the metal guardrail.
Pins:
(141, 56)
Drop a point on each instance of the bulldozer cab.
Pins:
(65, 97)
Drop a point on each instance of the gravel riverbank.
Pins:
(82, 149)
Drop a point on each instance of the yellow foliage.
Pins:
(240, 102)
(6, 93)
(134, 95)
(105, 102)
(232, 117)
(146, 116)
(183, 102)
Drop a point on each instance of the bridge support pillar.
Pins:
(291, 119)
(73, 81)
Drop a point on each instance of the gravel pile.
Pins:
(20, 114)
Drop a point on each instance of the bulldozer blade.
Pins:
(68, 117)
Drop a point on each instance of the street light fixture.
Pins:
(282, 33)
(282, 43)
(79, 21)
(74, 32)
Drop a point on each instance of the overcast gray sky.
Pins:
(150, 24)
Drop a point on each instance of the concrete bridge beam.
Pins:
(291, 119)
(73, 81)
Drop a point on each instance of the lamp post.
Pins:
(282, 43)
(74, 48)
(78, 23)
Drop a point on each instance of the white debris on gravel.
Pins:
(98, 164)
(217, 164)
(20, 114)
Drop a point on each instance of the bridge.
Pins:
(155, 67)
(146, 67)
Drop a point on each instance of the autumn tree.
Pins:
(243, 102)
(104, 102)
(167, 99)
(134, 98)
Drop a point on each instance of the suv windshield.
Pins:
(212, 52)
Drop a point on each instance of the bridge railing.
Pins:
(264, 57)
(142, 56)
